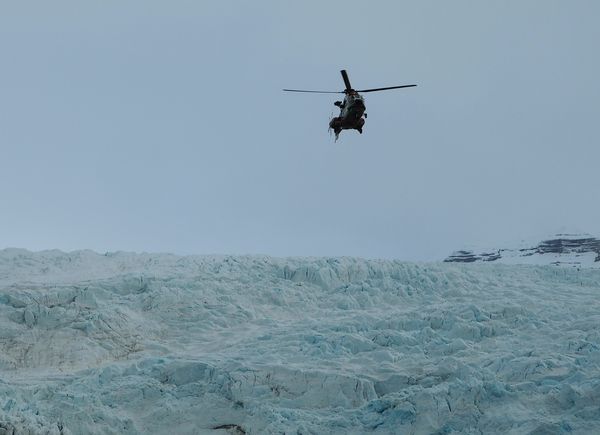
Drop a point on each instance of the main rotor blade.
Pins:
(346, 80)
(385, 89)
(314, 92)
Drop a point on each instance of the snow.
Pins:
(157, 343)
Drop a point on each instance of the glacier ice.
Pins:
(144, 343)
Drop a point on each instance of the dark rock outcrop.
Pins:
(470, 257)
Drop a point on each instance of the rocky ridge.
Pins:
(576, 250)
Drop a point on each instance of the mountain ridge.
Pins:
(562, 249)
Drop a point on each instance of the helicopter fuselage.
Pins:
(351, 114)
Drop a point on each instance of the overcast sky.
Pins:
(161, 125)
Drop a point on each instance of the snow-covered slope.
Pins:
(140, 343)
(575, 250)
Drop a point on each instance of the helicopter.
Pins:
(352, 108)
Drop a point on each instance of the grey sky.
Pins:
(161, 126)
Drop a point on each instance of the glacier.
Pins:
(125, 343)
